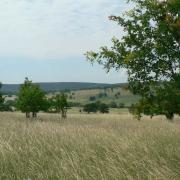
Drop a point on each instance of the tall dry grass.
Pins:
(88, 147)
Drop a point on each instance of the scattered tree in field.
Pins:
(4, 105)
(92, 98)
(1, 97)
(92, 107)
(103, 108)
(113, 105)
(95, 107)
(117, 95)
(1, 100)
(31, 99)
(61, 104)
(150, 51)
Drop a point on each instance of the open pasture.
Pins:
(94, 146)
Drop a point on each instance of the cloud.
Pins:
(56, 28)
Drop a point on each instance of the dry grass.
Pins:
(88, 147)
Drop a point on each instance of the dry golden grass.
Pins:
(88, 147)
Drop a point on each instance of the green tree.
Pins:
(4, 105)
(150, 51)
(95, 107)
(113, 104)
(1, 100)
(103, 108)
(61, 104)
(31, 99)
(91, 107)
(1, 97)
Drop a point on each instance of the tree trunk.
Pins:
(34, 114)
(63, 114)
(27, 115)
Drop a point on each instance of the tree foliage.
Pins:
(95, 107)
(4, 105)
(91, 107)
(150, 51)
(103, 108)
(1, 100)
(1, 96)
(61, 104)
(31, 98)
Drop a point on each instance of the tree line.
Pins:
(31, 99)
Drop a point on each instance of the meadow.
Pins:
(94, 146)
(115, 94)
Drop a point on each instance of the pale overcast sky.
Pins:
(46, 39)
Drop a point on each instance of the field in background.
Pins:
(94, 146)
(116, 94)
(119, 95)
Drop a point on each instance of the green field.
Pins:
(94, 146)
(116, 94)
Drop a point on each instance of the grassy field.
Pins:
(95, 146)
(116, 94)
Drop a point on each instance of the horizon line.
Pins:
(64, 82)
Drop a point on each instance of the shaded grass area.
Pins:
(76, 110)
(88, 147)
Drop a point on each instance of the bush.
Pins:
(103, 108)
(5, 107)
(95, 107)
(113, 105)
(92, 107)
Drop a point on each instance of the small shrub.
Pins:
(92, 107)
(103, 108)
(113, 105)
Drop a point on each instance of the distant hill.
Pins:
(59, 86)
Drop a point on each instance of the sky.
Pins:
(45, 40)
